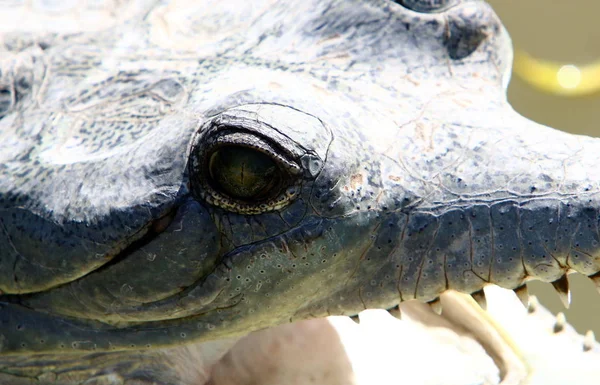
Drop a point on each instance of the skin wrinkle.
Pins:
(570, 246)
(446, 272)
(472, 255)
(420, 270)
(363, 254)
(492, 248)
(470, 240)
(551, 255)
(568, 254)
(520, 237)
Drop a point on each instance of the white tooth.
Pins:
(436, 306)
(533, 305)
(479, 297)
(596, 279)
(560, 323)
(355, 318)
(395, 312)
(561, 286)
(523, 295)
(589, 341)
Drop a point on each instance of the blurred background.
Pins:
(566, 33)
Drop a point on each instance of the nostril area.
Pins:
(469, 26)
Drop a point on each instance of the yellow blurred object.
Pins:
(557, 78)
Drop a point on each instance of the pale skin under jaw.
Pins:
(388, 168)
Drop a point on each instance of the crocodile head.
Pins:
(194, 174)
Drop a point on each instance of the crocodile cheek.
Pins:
(255, 286)
(176, 259)
(311, 264)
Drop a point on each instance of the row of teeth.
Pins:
(561, 286)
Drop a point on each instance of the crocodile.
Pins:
(177, 175)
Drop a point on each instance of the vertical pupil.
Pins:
(242, 172)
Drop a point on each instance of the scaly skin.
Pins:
(404, 173)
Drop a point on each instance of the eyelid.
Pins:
(228, 137)
(424, 6)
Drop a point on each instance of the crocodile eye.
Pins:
(427, 6)
(240, 162)
(244, 173)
